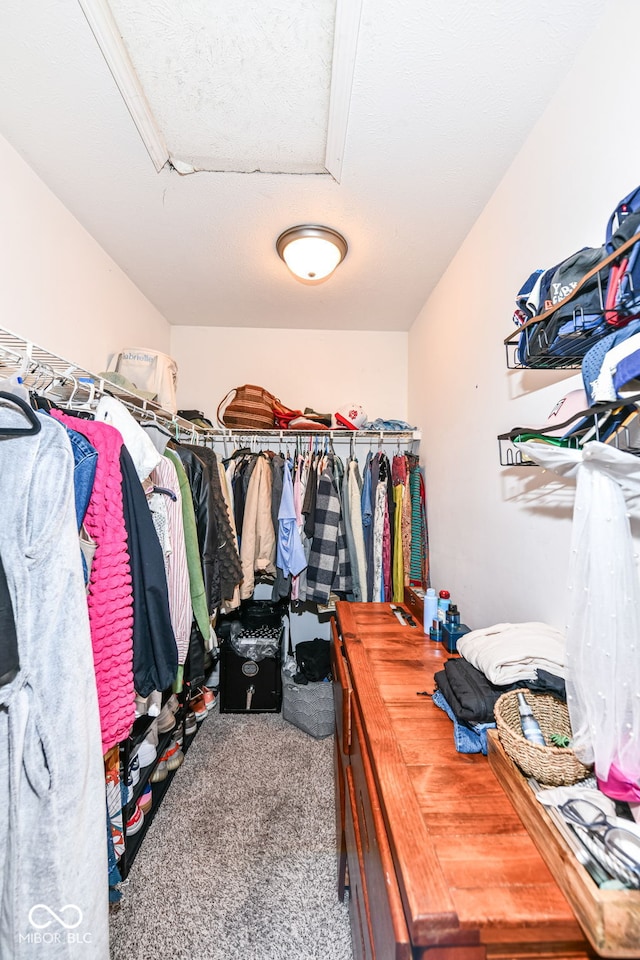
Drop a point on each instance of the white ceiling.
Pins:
(444, 94)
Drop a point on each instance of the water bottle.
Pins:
(530, 726)
(444, 599)
(430, 610)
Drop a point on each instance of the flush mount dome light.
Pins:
(311, 252)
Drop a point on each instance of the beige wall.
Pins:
(58, 287)
(322, 369)
(500, 537)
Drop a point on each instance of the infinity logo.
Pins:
(54, 916)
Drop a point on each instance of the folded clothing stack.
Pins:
(510, 652)
(493, 660)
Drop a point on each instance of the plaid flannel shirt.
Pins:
(329, 569)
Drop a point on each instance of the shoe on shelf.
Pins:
(173, 757)
(154, 705)
(210, 697)
(167, 717)
(142, 706)
(135, 822)
(145, 799)
(134, 770)
(118, 841)
(190, 723)
(198, 707)
(114, 794)
(148, 749)
(160, 773)
(129, 786)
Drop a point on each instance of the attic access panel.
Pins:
(215, 86)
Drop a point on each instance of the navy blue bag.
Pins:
(622, 301)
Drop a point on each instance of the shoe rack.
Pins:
(140, 729)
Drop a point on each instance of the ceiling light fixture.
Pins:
(311, 252)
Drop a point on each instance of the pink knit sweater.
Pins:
(110, 595)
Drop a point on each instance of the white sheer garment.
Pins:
(603, 636)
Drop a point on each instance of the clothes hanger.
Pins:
(31, 431)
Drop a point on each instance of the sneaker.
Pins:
(148, 749)
(160, 773)
(154, 705)
(145, 799)
(129, 784)
(198, 707)
(210, 697)
(167, 717)
(134, 770)
(141, 706)
(190, 723)
(134, 823)
(118, 841)
(173, 757)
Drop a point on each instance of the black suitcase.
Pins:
(249, 686)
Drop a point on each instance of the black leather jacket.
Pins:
(229, 566)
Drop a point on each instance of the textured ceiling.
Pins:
(444, 94)
(235, 87)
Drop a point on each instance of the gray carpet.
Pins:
(239, 862)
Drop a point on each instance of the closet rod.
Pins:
(386, 436)
(40, 368)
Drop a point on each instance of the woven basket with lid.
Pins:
(554, 766)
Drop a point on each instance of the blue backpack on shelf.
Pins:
(622, 299)
(590, 294)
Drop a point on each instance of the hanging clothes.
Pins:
(84, 471)
(226, 555)
(233, 602)
(258, 542)
(418, 546)
(53, 845)
(356, 590)
(406, 528)
(399, 477)
(9, 656)
(110, 596)
(142, 450)
(355, 512)
(368, 504)
(290, 552)
(155, 654)
(299, 583)
(202, 499)
(328, 570)
(282, 581)
(196, 581)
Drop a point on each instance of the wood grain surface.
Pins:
(472, 882)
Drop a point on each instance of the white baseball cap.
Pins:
(351, 416)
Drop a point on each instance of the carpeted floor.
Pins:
(239, 862)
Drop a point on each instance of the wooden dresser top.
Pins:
(467, 868)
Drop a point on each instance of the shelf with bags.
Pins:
(616, 423)
(547, 341)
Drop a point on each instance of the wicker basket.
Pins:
(556, 766)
